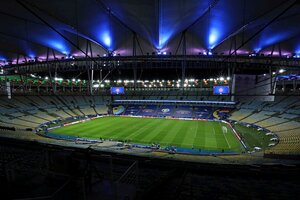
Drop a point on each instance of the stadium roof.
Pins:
(31, 28)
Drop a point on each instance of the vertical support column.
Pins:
(55, 75)
(89, 77)
(135, 64)
(230, 48)
(135, 77)
(89, 84)
(271, 77)
(134, 44)
(235, 48)
(72, 86)
(92, 69)
(272, 51)
(53, 53)
(21, 78)
(92, 78)
(229, 75)
(24, 81)
(183, 67)
(101, 75)
(232, 81)
(49, 70)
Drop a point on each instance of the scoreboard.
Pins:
(221, 90)
(117, 90)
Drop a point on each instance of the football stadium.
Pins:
(110, 99)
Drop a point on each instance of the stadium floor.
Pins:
(204, 135)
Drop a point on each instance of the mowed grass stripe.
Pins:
(131, 129)
(191, 132)
(95, 129)
(171, 134)
(180, 133)
(154, 131)
(163, 132)
(138, 137)
(101, 130)
(117, 129)
(199, 141)
(144, 125)
(210, 137)
(82, 129)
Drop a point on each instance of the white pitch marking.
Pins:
(224, 136)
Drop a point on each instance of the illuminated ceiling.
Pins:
(31, 28)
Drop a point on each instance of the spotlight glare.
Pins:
(281, 71)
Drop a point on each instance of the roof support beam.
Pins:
(53, 28)
(112, 14)
(264, 27)
(211, 5)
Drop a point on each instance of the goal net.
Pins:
(224, 129)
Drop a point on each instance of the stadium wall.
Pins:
(251, 87)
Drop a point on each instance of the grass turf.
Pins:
(205, 135)
(253, 137)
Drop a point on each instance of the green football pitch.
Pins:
(205, 135)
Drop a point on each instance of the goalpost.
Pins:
(224, 129)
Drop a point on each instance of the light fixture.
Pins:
(281, 71)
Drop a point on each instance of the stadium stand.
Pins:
(183, 112)
(148, 110)
(256, 117)
(241, 114)
(166, 111)
(271, 121)
(30, 111)
(288, 142)
(278, 116)
(175, 111)
(202, 112)
(288, 116)
(132, 110)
